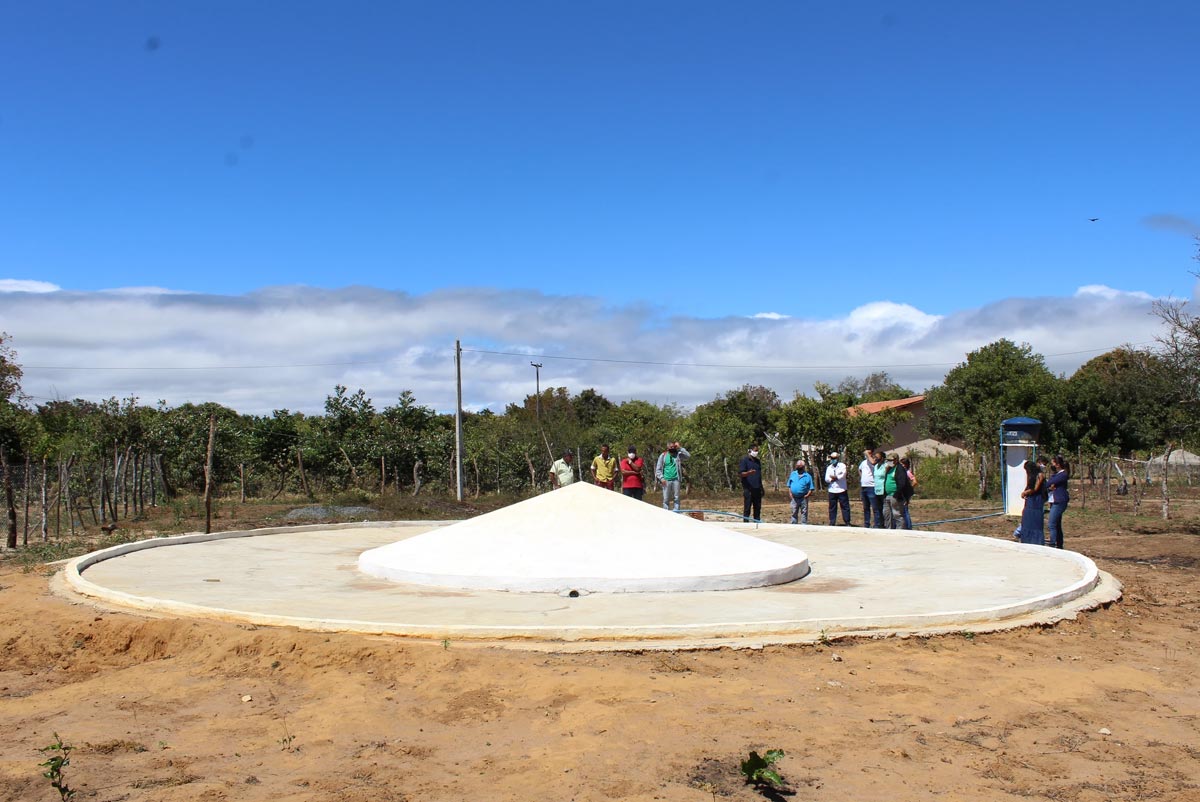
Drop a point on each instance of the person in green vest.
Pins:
(669, 471)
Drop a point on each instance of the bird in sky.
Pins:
(1093, 219)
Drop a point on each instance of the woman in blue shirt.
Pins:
(1059, 497)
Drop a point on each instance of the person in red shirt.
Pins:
(632, 482)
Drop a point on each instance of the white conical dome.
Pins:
(582, 537)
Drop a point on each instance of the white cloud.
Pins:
(288, 346)
(770, 316)
(27, 285)
(1110, 294)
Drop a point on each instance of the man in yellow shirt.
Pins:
(604, 467)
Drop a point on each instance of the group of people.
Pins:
(1045, 480)
(886, 487)
(887, 483)
(631, 468)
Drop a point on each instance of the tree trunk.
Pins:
(208, 477)
(303, 478)
(9, 503)
(28, 481)
(1166, 497)
(353, 473)
(45, 516)
(382, 476)
(242, 480)
(58, 503)
(103, 492)
(417, 466)
(532, 472)
(283, 472)
(124, 483)
(983, 487)
(168, 488)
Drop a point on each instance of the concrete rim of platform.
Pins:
(1093, 589)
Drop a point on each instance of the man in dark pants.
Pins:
(750, 469)
(835, 483)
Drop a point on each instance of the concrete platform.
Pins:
(863, 583)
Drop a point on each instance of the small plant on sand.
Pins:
(823, 638)
(285, 743)
(759, 772)
(59, 757)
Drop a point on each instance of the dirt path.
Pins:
(1103, 708)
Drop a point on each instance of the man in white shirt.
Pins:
(835, 483)
(562, 472)
(866, 484)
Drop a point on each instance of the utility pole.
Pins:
(537, 399)
(458, 444)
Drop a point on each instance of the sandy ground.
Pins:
(1106, 707)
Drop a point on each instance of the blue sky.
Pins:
(690, 153)
(698, 159)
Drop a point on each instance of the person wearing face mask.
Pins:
(669, 471)
(866, 484)
(800, 487)
(835, 483)
(896, 492)
(750, 469)
(632, 482)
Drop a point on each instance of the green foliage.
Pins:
(10, 371)
(999, 381)
(946, 476)
(59, 757)
(825, 425)
(1119, 401)
(758, 769)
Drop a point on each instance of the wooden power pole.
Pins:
(458, 436)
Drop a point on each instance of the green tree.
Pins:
(999, 381)
(716, 439)
(877, 386)
(752, 404)
(1118, 402)
(815, 427)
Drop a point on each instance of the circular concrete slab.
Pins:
(863, 582)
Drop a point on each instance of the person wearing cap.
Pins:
(669, 471)
(562, 472)
(604, 467)
(750, 469)
(866, 485)
(633, 483)
(800, 487)
(835, 483)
